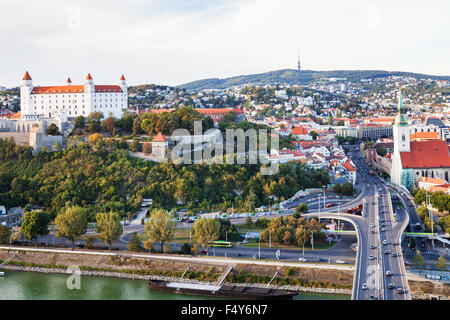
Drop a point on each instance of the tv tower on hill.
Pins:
(298, 61)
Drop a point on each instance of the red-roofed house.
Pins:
(301, 133)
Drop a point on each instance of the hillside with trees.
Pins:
(104, 178)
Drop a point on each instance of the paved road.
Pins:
(370, 280)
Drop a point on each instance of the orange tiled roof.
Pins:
(159, 138)
(426, 154)
(348, 166)
(219, 111)
(17, 115)
(432, 180)
(74, 89)
(299, 131)
(424, 135)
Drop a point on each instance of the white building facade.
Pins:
(72, 100)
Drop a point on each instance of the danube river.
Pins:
(17, 285)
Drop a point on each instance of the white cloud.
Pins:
(175, 41)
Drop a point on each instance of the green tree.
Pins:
(314, 135)
(137, 129)
(418, 259)
(135, 146)
(301, 208)
(186, 249)
(5, 234)
(441, 263)
(80, 122)
(53, 130)
(89, 244)
(126, 122)
(135, 243)
(35, 223)
(206, 231)
(160, 228)
(109, 227)
(71, 223)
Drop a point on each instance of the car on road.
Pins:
(372, 298)
(322, 259)
(385, 242)
(372, 246)
(372, 224)
(373, 231)
(340, 261)
(390, 286)
(386, 251)
(388, 273)
(364, 286)
(371, 257)
(400, 291)
(394, 254)
(302, 259)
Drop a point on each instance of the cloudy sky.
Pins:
(175, 41)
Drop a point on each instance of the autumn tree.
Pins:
(109, 227)
(206, 231)
(71, 223)
(160, 228)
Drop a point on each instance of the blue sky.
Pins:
(173, 41)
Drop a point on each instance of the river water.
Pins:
(17, 285)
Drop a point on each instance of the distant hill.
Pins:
(295, 77)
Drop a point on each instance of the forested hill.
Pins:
(294, 77)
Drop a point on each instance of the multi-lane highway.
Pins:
(380, 270)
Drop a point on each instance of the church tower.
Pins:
(401, 129)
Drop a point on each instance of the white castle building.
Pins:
(72, 100)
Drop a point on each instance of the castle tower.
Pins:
(160, 147)
(25, 94)
(123, 84)
(401, 129)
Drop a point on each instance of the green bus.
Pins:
(226, 244)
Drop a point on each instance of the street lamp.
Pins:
(259, 248)
(312, 240)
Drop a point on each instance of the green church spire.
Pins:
(401, 120)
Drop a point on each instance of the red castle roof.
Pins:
(26, 76)
(74, 89)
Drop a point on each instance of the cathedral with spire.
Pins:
(412, 160)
